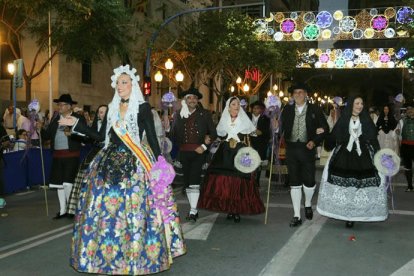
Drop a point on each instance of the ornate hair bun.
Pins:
(124, 70)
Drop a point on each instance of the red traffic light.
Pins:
(147, 86)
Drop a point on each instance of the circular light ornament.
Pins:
(357, 52)
(389, 33)
(364, 58)
(318, 52)
(404, 15)
(349, 64)
(270, 31)
(389, 12)
(311, 52)
(279, 16)
(370, 64)
(401, 32)
(278, 36)
(348, 54)
(326, 34)
(338, 52)
(373, 12)
(381, 51)
(297, 35)
(340, 62)
(318, 64)
(401, 53)
(338, 15)
(379, 23)
(369, 33)
(324, 58)
(309, 17)
(357, 34)
(330, 64)
(324, 19)
(294, 15)
(311, 32)
(347, 24)
(384, 58)
(391, 64)
(336, 30)
(377, 64)
(391, 51)
(288, 26)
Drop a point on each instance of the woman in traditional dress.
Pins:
(98, 125)
(386, 126)
(351, 188)
(225, 188)
(125, 223)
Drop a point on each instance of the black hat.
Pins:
(299, 85)
(191, 91)
(259, 103)
(65, 98)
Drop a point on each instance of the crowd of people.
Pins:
(120, 197)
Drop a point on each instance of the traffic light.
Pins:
(147, 86)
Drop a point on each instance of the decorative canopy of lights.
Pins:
(353, 58)
(375, 23)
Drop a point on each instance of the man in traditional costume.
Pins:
(193, 130)
(66, 153)
(304, 127)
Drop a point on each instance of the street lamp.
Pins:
(11, 69)
(169, 65)
(179, 77)
(158, 78)
(246, 88)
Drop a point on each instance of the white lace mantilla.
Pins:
(350, 203)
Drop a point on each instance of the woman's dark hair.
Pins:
(232, 99)
(95, 120)
(341, 129)
(20, 132)
(392, 122)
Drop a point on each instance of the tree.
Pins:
(80, 29)
(222, 45)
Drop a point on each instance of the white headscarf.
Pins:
(241, 124)
(136, 98)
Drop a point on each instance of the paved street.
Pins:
(33, 244)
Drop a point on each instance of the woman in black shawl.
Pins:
(386, 126)
(351, 188)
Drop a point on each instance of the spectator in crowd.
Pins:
(21, 141)
(386, 126)
(407, 146)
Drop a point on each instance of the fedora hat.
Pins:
(65, 98)
(192, 91)
(299, 85)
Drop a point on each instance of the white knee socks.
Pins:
(308, 195)
(193, 193)
(296, 195)
(62, 201)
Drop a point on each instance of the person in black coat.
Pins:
(66, 152)
(4, 141)
(303, 127)
(260, 138)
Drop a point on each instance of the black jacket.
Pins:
(145, 123)
(314, 119)
(205, 126)
(260, 142)
(74, 141)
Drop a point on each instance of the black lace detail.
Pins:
(357, 183)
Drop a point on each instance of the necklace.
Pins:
(125, 101)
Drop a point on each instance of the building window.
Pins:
(87, 72)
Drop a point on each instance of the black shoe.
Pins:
(59, 216)
(295, 222)
(308, 213)
(236, 218)
(409, 189)
(230, 216)
(192, 217)
(349, 224)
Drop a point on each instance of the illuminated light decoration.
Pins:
(279, 17)
(324, 19)
(369, 33)
(294, 15)
(318, 64)
(318, 52)
(364, 58)
(288, 26)
(311, 52)
(340, 62)
(379, 23)
(278, 36)
(391, 51)
(401, 53)
(336, 30)
(326, 34)
(348, 54)
(297, 35)
(270, 31)
(309, 17)
(270, 18)
(377, 64)
(311, 32)
(390, 64)
(384, 58)
(330, 64)
(370, 64)
(350, 64)
(338, 15)
(389, 12)
(380, 51)
(357, 52)
(373, 12)
(404, 15)
(338, 52)
(389, 33)
(401, 32)
(324, 58)
(347, 24)
(357, 34)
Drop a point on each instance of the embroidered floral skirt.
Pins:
(117, 229)
(350, 196)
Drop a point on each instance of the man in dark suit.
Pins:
(260, 138)
(304, 127)
(66, 153)
(193, 130)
